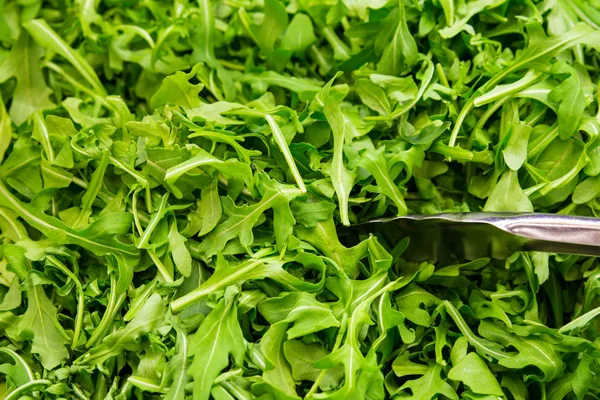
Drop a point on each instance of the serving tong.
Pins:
(470, 236)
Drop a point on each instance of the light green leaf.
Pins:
(299, 34)
(507, 195)
(40, 325)
(219, 337)
(31, 93)
(45, 36)
(474, 373)
(341, 178)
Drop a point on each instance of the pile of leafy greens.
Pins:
(172, 174)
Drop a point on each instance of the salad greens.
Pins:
(172, 174)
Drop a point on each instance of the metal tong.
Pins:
(471, 236)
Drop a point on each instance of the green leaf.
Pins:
(560, 162)
(300, 309)
(474, 373)
(464, 14)
(281, 142)
(429, 385)
(324, 238)
(425, 135)
(267, 33)
(202, 159)
(299, 35)
(203, 36)
(373, 96)
(399, 89)
(241, 220)
(177, 90)
(45, 36)
(20, 372)
(483, 346)
(279, 376)
(580, 322)
(305, 88)
(515, 152)
(507, 195)
(401, 52)
(210, 208)
(374, 161)
(268, 267)
(410, 302)
(12, 298)
(361, 375)
(91, 193)
(31, 93)
(181, 256)
(302, 357)
(310, 211)
(177, 368)
(341, 178)
(531, 351)
(40, 325)
(219, 337)
(96, 238)
(571, 105)
(148, 319)
(586, 190)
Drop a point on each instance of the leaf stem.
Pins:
(580, 321)
(154, 220)
(337, 344)
(80, 296)
(209, 287)
(160, 266)
(15, 356)
(484, 157)
(38, 122)
(466, 331)
(50, 65)
(114, 303)
(281, 143)
(29, 386)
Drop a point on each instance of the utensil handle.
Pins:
(555, 233)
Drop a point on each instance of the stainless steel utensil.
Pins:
(473, 235)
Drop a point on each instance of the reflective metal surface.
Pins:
(474, 235)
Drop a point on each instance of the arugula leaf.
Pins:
(473, 372)
(241, 220)
(323, 237)
(31, 93)
(176, 89)
(203, 35)
(39, 325)
(401, 52)
(300, 309)
(228, 168)
(279, 375)
(507, 195)
(178, 366)
(302, 358)
(147, 319)
(374, 161)
(342, 179)
(299, 34)
(47, 37)
(218, 337)
(531, 351)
